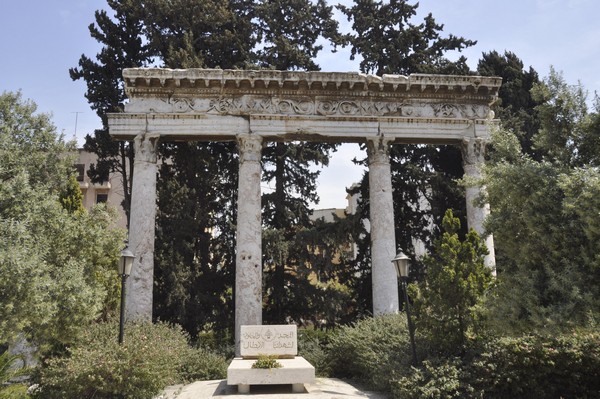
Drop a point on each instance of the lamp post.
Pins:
(125, 264)
(402, 269)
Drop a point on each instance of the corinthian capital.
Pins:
(250, 146)
(145, 145)
(473, 151)
(378, 150)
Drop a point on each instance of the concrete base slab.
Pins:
(322, 388)
(296, 371)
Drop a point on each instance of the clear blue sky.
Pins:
(41, 39)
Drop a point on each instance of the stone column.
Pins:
(473, 153)
(383, 236)
(141, 228)
(248, 261)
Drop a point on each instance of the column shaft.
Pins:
(142, 228)
(383, 236)
(473, 153)
(248, 262)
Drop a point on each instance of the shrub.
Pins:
(566, 366)
(312, 345)
(266, 362)
(11, 371)
(372, 350)
(202, 364)
(443, 380)
(149, 359)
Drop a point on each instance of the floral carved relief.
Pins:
(249, 104)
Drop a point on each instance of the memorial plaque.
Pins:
(280, 340)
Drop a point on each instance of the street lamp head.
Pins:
(401, 264)
(126, 262)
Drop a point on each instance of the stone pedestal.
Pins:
(141, 229)
(248, 262)
(383, 236)
(473, 153)
(280, 341)
(296, 371)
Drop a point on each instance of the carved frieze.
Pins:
(256, 104)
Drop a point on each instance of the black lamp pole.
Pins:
(411, 329)
(402, 269)
(125, 264)
(122, 318)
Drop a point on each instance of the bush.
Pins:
(444, 380)
(372, 350)
(312, 345)
(566, 366)
(12, 372)
(203, 364)
(98, 367)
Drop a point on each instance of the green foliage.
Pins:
(388, 41)
(544, 222)
(207, 34)
(122, 47)
(562, 366)
(433, 381)
(201, 364)
(57, 267)
(312, 345)
(71, 197)
(372, 350)
(194, 255)
(455, 282)
(11, 368)
(290, 30)
(266, 362)
(516, 107)
(149, 359)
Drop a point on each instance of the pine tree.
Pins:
(71, 197)
(455, 282)
(390, 43)
(123, 47)
(516, 107)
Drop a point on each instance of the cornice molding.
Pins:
(154, 81)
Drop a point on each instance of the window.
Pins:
(101, 198)
(80, 169)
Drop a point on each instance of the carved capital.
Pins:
(378, 150)
(145, 145)
(473, 151)
(250, 146)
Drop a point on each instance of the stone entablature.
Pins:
(304, 105)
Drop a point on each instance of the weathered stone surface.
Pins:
(248, 264)
(383, 235)
(141, 229)
(473, 153)
(220, 104)
(293, 371)
(280, 340)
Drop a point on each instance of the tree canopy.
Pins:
(57, 262)
(544, 217)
